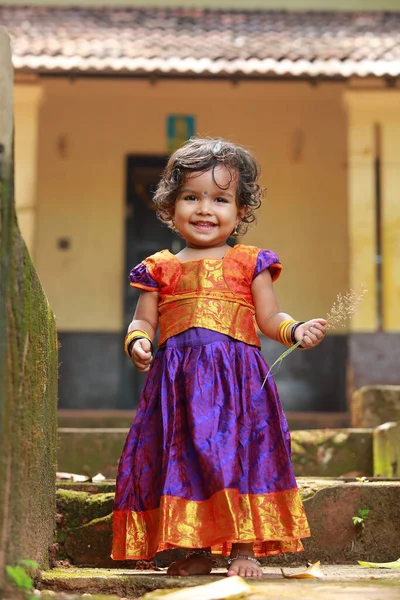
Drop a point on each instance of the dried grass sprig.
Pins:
(342, 310)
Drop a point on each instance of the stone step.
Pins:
(340, 582)
(315, 452)
(84, 527)
(110, 419)
(50, 594)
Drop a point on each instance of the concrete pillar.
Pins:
(27, 98)
(28, 373)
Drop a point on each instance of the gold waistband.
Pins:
(235, 319)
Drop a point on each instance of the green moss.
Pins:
(60, 537)
(88, 486)
(106, 520)
(79, 508)
(61, 596)
(297, 448)
(309, 487)
(82, 573)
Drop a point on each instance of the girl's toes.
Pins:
(245, 567)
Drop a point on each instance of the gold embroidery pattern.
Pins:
(274, 522)
(210, 293)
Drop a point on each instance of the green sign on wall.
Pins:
(179, 129)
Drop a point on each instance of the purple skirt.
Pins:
(207, 442)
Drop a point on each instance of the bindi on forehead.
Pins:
(205, 193)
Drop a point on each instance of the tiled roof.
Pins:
(182, 41)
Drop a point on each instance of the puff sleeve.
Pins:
(267, 259)
(140, 278)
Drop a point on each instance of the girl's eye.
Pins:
(190, 197)
(223, 200)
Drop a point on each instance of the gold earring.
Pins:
(235, 232)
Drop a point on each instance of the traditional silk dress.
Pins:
(207, 459)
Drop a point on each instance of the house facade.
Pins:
(102, 95)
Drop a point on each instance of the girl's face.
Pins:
(206, 211)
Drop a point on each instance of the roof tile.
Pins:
(185, 41)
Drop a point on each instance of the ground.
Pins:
(347, 582)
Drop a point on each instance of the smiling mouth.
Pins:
(204, 224)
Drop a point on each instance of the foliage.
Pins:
(360, 517)
(20, 576)
(386, 565)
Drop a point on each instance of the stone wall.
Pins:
(374, 359)
(28, 373)
(373, 405)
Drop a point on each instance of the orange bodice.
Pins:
(212, 293)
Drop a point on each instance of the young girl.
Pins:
(206, 465)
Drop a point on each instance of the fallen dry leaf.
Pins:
(72, 477)
(228, 587)
(312, 572)
(387, 565)
(80, 478)
(60, 475)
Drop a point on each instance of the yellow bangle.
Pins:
(284, 332)
(137, 334)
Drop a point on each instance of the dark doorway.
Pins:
(145, 235)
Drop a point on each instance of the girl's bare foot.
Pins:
(196, 564)
(242, 561)
(245, 567)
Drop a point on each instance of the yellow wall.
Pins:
(87, 127)
(369, 110)
(27, 97)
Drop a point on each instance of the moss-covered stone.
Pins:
(387, 450)
(52, 595)
(101, 487)
(79, 508)
(75, 510)
(332, 452)
(28, 373)
(90, 544)
(373, 405)
(341, 581)
(121, 582)
(330, 505)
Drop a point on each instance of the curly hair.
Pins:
(203, 154)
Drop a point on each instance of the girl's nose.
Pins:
(204, 206)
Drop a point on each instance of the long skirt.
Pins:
(207, 460)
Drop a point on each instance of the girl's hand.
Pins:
(141, 355)
(312, 333)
